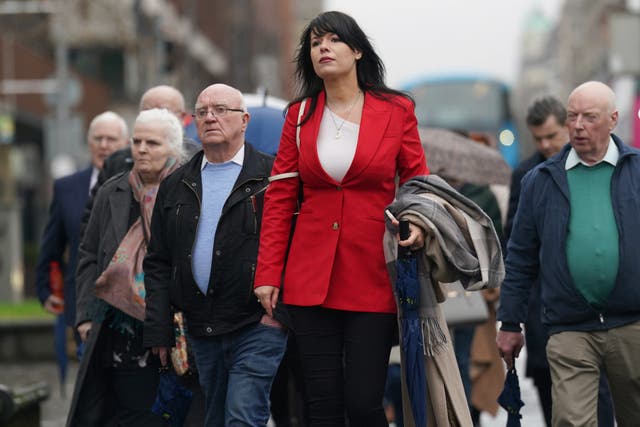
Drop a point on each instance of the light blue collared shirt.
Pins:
(238, 159)
(611, 156)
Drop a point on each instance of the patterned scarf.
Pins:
(122, 282)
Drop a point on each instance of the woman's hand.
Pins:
(83, 330)
(162, 353)
(267, 297)
(415, 241)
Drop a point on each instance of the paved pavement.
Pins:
(54, 410)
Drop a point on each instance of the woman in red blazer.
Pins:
(355, 136)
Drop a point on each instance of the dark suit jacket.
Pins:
(514, 194)
(70, 195)
(536, 335)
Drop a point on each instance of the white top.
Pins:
(94, 178)
(336, 154)
(611, 156)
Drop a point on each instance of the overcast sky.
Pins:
(418, 37)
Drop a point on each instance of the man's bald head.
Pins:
(591, 116)
(166, 97)
(228, 92)
(599, 92)
(221, 135)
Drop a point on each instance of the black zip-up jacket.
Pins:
(230, 303)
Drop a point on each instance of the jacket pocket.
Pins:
(248, 275)
(250, 218)
(175, 289)
(178, 211)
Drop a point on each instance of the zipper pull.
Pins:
(601, 318)
(254, 208)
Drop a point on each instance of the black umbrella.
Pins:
(510, 398)
(408, 289)
(173, 399)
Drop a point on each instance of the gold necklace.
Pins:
(335, 124)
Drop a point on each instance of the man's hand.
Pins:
(270, 321)
(161, 352)
(54, 304)
(268, 297)
(83, 330)
(509, 346)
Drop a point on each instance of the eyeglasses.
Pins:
(217, 111)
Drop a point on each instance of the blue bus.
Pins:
(471, 103)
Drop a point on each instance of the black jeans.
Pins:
(344, 357)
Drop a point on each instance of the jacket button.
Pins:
(218, 252)
(338, 187)
(335, 225)
(196, 217)
(247, 190)
(209, 330)
(193, 184)
(189, 256)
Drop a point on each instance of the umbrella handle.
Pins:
(404, 251)
(513, 365)
(404, 229)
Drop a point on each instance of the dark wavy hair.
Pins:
(369, 68)
(540, 110)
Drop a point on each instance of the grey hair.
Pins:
(243, 103)
(109, 116)
(172, 128)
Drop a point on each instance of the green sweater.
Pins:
(592, 240)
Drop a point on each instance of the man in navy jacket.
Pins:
(577, 228)
(107, 133)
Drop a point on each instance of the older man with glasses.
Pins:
(107, 133)
(202, 258)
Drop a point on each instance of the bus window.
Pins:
(470, 104)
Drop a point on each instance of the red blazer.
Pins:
(336, 258)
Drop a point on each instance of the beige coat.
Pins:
(487, 369)
(449, 220)
(446, 403)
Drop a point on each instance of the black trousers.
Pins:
(344, 357)
(120, 397)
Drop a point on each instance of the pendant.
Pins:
(338, 134)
